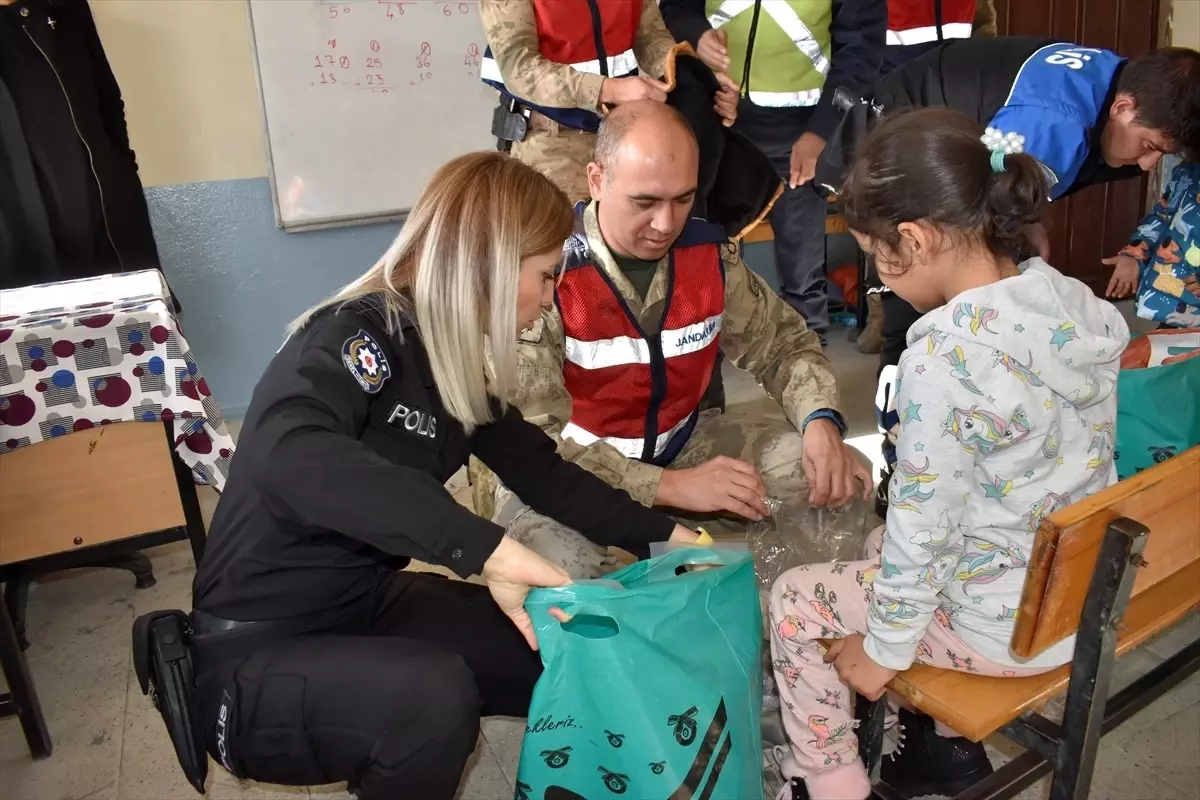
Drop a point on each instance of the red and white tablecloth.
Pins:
(78, 354)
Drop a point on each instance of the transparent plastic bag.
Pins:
(797, 533)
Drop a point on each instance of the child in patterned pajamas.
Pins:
(1162, 258)
(1007, 403)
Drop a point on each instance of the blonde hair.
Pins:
(456, 261)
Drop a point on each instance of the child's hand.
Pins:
(857, 669)
(1125, 276)
(1192, 285)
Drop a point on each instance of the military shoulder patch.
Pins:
(533, 335)
(365, 359)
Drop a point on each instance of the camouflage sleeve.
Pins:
(511, 31)
(653, 41)
(542, 399)
(985, 20)
(765, 336)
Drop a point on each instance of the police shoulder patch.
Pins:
(363, 356)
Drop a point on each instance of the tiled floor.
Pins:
(109, 742)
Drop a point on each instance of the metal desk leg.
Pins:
(185, 481)
(135, 562)
(21, 699)
(16, 599)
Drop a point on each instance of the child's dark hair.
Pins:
(1165, 83)
(929, 165)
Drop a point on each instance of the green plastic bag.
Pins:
(1158, 414)
(653, 690)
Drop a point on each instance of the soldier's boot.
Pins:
(871, 338)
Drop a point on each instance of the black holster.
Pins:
(509, 123)
(163, 663)
(858, 117)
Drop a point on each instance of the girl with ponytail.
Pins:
(1006, 400)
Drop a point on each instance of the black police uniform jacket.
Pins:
(340, 471)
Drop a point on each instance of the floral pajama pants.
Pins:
(829, 601)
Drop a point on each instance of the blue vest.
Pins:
(1054, 103)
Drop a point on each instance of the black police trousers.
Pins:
(389, 702)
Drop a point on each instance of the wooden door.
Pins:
(1096, 222)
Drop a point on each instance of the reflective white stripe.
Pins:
(785, 17)
(785, 99)
(630, 448)
(489, 70)
(682, 341)
(728, 10)
(929, 33)
(607, 352)
(625, 350)
(618, 66)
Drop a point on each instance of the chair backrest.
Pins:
(1164, 498)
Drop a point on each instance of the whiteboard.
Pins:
(363, 100)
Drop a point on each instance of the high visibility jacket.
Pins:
(640, 392)
(593, 36)
(778, 49)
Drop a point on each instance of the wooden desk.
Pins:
(78, 499)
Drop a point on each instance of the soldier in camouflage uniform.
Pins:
(729, 463)
(543, 53)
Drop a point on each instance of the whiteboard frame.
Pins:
(325, 223)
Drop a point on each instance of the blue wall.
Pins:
(241, 279)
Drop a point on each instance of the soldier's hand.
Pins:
(511, 571)
(722, 484)
(711, 49)
(834, 473)
(615, 91)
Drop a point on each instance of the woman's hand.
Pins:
(858, 670)
(511, 571)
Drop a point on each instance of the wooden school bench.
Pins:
(1115, 569)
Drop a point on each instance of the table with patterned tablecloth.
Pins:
(83, 353)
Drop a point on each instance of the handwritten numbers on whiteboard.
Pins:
(328, 78)
(332, 44)
(449, 9)
(471, 60)
(426, 52)
(374, 46)
(374, 63)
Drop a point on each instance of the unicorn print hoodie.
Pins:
(1007, 403)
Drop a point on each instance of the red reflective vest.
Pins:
(567, 35)
(915, 21)
(640, 393)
